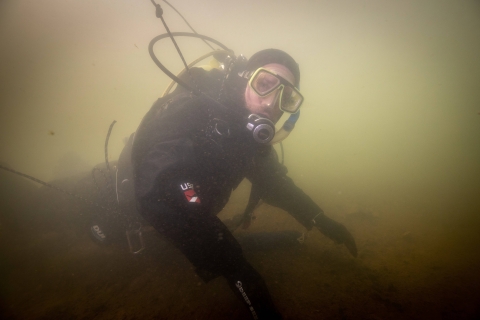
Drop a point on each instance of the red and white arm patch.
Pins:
(190, 193)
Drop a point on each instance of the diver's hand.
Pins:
(337, 232)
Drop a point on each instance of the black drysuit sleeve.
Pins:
(277, 189)
(205, 240)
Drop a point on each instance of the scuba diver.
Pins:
(194, 147)
(196, 144)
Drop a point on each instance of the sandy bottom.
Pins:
(410, 266)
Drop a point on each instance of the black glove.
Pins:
(336, 231)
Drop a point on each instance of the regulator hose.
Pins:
(180, 34)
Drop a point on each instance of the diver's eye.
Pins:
(265, 82)
(287, 95)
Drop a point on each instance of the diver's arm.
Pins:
(176, 208)
(279, 190)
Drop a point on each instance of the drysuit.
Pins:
(188, 155)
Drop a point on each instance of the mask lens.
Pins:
(291, 100)
(264, 82)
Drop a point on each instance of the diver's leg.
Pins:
(249, 287)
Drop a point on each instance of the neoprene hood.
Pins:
(267, 56)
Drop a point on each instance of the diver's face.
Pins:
(268, 106)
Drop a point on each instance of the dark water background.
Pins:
(410, 266)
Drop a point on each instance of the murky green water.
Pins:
(387, 144)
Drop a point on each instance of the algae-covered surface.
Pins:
(410, 265)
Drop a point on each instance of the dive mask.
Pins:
(265, 82)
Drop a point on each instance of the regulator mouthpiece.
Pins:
(262, 129)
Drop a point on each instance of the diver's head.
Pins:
(272, 86)
(261, 96)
